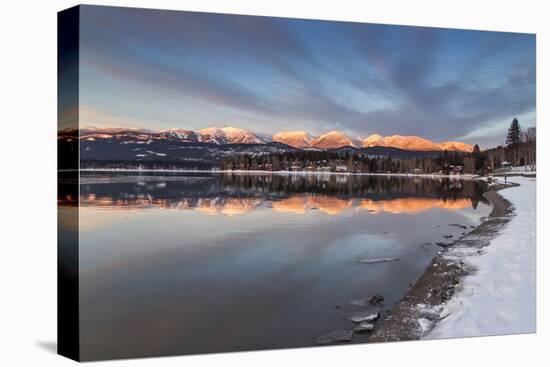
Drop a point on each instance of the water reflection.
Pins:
(298, 204)
(239, 194)
(175, 264)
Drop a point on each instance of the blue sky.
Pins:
(165, 69)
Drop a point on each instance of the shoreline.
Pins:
(420, 308)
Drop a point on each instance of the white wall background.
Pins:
(28, 180)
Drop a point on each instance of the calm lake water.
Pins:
(181, 264)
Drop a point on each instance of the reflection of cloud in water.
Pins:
(90, 219)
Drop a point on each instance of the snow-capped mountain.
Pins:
(374, 140)
(183, 135)
(401, 142)
(123, 134)
(456, 146)
(208, 148)
(331, 140)
(296, 139)
(232, 135)
(415, 143)
(228, 135)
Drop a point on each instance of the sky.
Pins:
(159, 69)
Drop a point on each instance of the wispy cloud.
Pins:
(267, 74)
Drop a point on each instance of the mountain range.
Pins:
(295, 139)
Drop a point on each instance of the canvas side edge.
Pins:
(68, 328)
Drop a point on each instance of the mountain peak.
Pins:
(297, 139)
(456, 146)
(415, 143)
(331, 140)
(228, 135)
(374, 137)
(180, 134)
(333, 133)
(231, 129)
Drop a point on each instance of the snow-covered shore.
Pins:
(499, 297)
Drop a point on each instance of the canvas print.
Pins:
(235, 183)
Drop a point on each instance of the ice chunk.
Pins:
(369, 315)
(363, 327)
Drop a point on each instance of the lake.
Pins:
(198, 263)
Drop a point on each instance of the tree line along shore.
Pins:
(519, 150)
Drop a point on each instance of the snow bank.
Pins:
(522, 169)
(499, 298)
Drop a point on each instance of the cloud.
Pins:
(439, 83)
(446, 108)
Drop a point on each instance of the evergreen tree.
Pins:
(478, 157)
(513, 137)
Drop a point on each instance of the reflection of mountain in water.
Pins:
(238, 194)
